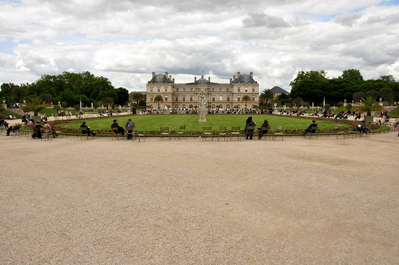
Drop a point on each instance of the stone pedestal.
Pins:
(202, 115)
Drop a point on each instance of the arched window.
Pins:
(176, 106)
(228, 106)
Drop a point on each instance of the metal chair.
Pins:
(312, 132)
(137, 134)
(235, 132)
(222, 133)
(181, 132)
(278, 131)
(165, 132)
(207, 132)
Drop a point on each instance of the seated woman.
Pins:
(37, 131)
(264, 129)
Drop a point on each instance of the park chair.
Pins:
(181, 132)
(207, 132)
(46, 136)
(83, 133)
(235, 132)
(312, 132)
(129, 132)
(138, 135)
(116, 134)
(165, 132)
(223, 133)
(278, 131)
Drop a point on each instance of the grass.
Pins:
(154, 122)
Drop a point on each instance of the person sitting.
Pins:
(364, 128)
(37, 131)
(264, 129)
(311, 129)
(117, 129)
(86, 129)
(13, 129)
(129, 127)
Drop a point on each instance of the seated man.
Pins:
(311, 129)
(364, 127)
(116, 128)
(86, 129)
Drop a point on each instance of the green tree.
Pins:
(266, 96)
(246, 98)
(387, 78)
(369, 104)
(387, 94)
(136, 97)
(358, 96)
(33, 104)
(297, 102)
(352, 75)
(158, 98)
(108, 101)
(122, 96)
(372, 93)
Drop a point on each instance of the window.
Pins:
(213, 90)
(184, 90)
(227, 90)
(238, 98)
(213, 106)
(183, 106)
(221, 98)
(191, 98)
(152, 99)
(177, 90)
(166, 98)
(159, 89)
(221, 106)
(151, 90)
(253, 89)
(239, 89)
(177, 99)
(246, 90)
(176, 106)
(166, 90)
(220, 90)
(184, 98)
(228, 106)
(213, 99)
(228, 98)
(253, 98)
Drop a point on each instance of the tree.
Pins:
(34, 104)
(352, 75)
(372, 93)
(122, 96)
(107, 101)
(358, 96)
(387, 78)
(246, 98)
(387, 94)
(368, 105)
(266, 96)
(298, 102)
(136, 97)
(158, 98)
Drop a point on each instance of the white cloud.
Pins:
(126, 41)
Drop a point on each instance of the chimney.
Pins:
(209, 79)
(251, 74)
(153, 74)
(238, 74)
(195, 79)
(166, 73)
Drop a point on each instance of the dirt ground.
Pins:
(297, 201)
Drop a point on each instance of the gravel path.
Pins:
(297, 201)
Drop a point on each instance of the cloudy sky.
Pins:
(127, 40)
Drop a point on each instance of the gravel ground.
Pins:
(297, 201)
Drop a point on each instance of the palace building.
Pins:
(223, 96)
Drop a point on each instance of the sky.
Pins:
(126, 40)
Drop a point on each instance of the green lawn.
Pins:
(154, 122)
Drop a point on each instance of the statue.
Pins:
(202, 100)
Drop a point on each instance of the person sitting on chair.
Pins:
(264, 129)
(311, 129)
(86, 129)
(116, 128)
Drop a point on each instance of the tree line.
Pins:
(68, 88)
(314, 87)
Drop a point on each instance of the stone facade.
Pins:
(218, 96)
